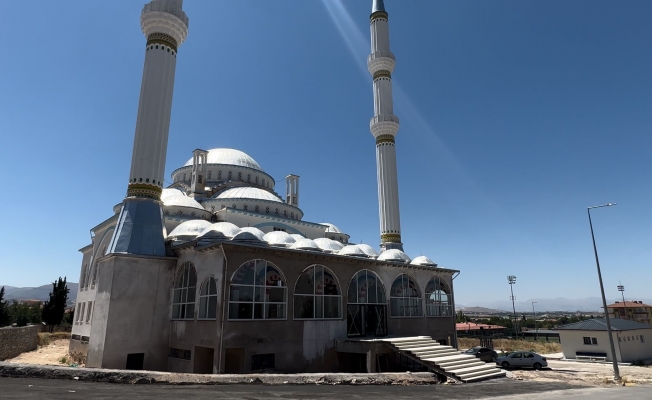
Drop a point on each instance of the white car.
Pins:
(522, 359)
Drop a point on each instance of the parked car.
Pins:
(483, 353)
(522, 359)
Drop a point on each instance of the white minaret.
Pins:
(384, 126)
(140, 228)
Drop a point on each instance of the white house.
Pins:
(589, 339)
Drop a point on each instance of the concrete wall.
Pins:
(131, 311)
(635, 345)
(15, 341)
(298, 345)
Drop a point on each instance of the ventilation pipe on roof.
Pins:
(292, 190)
(198, 183)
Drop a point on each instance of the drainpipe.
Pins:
(224, 268)
(455, 275)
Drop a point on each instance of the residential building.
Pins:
(631, 310)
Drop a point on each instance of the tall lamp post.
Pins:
(512, 280)
(536, 333)
(604, 300)
(621, 289)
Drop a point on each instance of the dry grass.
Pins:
(512, 345)
(45, 338)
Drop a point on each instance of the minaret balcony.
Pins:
(381, 61)
(384, 125)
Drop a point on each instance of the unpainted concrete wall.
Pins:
(15, 341)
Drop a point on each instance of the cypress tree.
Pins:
(55, 307)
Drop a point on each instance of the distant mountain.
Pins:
(588, 304)
(38, 293)
(481, 310)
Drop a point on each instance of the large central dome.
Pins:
(230, 157)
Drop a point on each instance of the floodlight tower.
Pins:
(621, 289)
(512, 281)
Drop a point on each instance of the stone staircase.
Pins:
(445, 360)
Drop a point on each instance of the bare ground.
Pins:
(49, 354)
(585, 374)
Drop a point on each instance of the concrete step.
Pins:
(436, 355)
(437, 360)
(467, 369)
(498, 374)
(461, 365)
(406, 339)
(458, 362)
(427, 347)
(429, 343)
(472, 374)
(433, 353)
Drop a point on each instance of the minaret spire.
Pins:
(384, 127)
(140, 228)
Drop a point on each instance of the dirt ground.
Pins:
(584, 373)
(49, 354)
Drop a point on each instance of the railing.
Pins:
(439, 310)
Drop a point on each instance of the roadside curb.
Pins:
(170, 378)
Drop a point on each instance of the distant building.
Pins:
(631, 310)
(589, 340)
(473, 329)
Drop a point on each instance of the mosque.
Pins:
(218, 273)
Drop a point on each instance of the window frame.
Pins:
(314, 295)
(437, 303)
(379, 283)
(406, 297)
(185, 285)
(208, 298)
(254, 287)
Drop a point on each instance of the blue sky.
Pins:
(515, 116)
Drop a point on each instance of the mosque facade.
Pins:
(218, 273)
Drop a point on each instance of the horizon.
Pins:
(515, 117)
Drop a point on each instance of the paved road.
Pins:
(32, 388)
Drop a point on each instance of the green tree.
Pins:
(4, 310)
(55, 307)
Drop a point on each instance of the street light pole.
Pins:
(512, 280)
(604, 300)
(536, 333)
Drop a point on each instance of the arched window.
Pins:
(258, 291)
(438, 299)
(208, 299)
(366, 288)
(183, 303)
(239, 176)
(404, 298)
(219, 174)
(83, 281)
(230, 175)
(210, 174)
(317, 294)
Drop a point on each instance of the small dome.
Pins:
(305, 244)
(297, 237)
(394, 255)
(278, 238)
(189, 229)
(171, 192)
(182, 201)
(247, 192)
(328, 245)
(352, 250)
(249, 234)
(368, 250)
(331, 228)
(423, 261)
(220, 230)
(230, 157)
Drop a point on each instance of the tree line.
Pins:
(51, 312)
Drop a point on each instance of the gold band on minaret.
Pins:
(162, 38)
(385, 139)
(391, 237)
(144, 190)
(379, 15)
